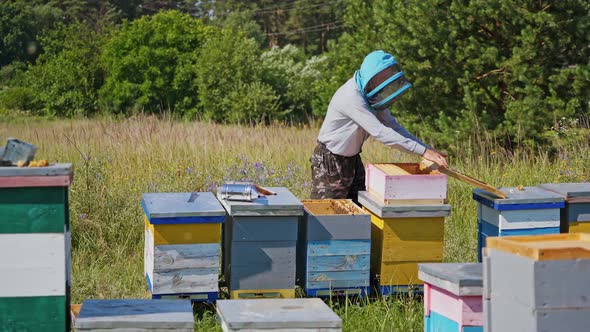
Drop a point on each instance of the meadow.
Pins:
(116, 161)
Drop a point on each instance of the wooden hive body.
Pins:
(137, 315)
(405, 184)
(260, 245)
(452, 297)
(523, 212)
(537, 283)
(402, 237)
(35, 248)
(575, 216)
(182, 245)
(334, 248)
(265, 315)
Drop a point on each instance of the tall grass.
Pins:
(116, 161)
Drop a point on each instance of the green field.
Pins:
(116, 161)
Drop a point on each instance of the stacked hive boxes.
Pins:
(537, 283)
(407, 214)
(260, 245)
(452, 297)
(182, 244)
(35, 248)
(575, 217)
(528, 211)
(136, 315)
(334, 248)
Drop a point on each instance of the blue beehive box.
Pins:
(528, 211)
(334, 253)
(182, 245)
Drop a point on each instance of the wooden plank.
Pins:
(338, 248)
(33, 210)
(465, 178)
(373, 205)
(411, 229)
(392, 169)
(279, 255)
(338, 275)
(35, 181)
(264, 228)
(185, 204)
(186, 256)
(406, 202)
(185, 281)
(278, 314)
(284, 203)
(579, 227)
(405, 273)
(321, 207)
(466, 310)
(35, 265)
(520, 198)
(413, 251)
(262, 293)
(545, 247)
(186, 233)
(331, 284)
(51, 170)
(35, 313)
(257, 277)
(136, 314)
(338, 263)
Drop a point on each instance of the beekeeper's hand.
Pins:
(438, 157)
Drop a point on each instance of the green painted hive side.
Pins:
(33, 210)
(43, 313)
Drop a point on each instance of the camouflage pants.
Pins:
(335, 176)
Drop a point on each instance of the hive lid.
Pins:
(186, 204)
(534, 196)
(284, 203)
(51, 170)
(136, 314)
(277, 314)
(457, 278)
(378, 207)
(572, 192)
(544, 247)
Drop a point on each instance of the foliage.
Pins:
(151, 64)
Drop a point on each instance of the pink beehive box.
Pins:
(401, 183)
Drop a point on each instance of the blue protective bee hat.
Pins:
(387, 91)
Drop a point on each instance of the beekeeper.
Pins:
(360, 108)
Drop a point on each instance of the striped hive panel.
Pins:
(185, 233)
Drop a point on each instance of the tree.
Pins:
(151, 64)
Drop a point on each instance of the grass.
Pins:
(116, 161)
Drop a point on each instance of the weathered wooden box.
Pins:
(452, 297)
(182, 245)
(575, 216)
(405, 184)
(260, 245)
(136, 315)
(529, 211)
(311, 315)
(538, 283)
(35, 270)
(334, 248)
(402, 237)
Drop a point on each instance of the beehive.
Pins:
(311, 315)
(35, 250)
(537, 283)
(335, 246)
(136, 315)
(402, 237)
(528, 211)
(405, 184)
(452, 297)
(260, 245)
(182, 245)
(575, 216)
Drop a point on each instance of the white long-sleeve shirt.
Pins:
(349, 122)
